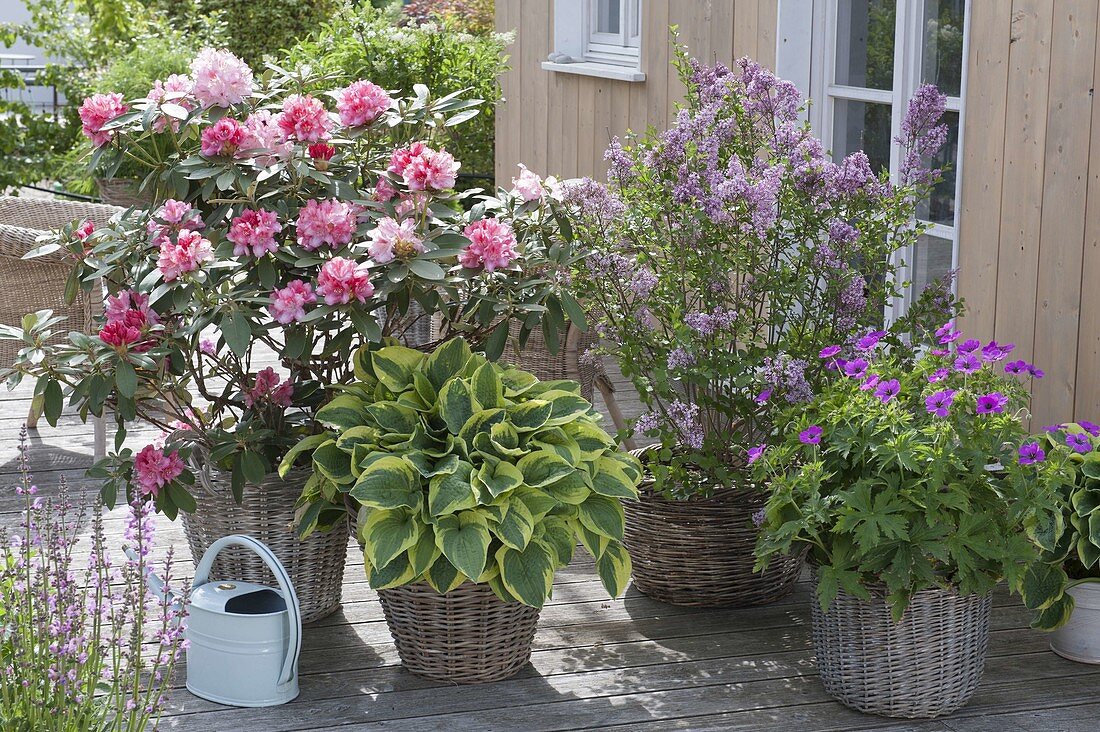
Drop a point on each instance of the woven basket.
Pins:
(123, 192)
(316, 565)
(468, 636)
(699, 552)
(928, 665)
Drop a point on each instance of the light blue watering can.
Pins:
(244, 638)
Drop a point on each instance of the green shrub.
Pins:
(363, 43)
(467, 469)
(255, 28)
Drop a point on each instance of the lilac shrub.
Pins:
(85, 644)
(729, 250)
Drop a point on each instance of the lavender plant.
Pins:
(83, 646)
(728, 250)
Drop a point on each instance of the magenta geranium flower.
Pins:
(1079, 442)
(1030, 453)
(992, 403)
(1016, 367)
(756, 452)
(856, 368)
(829, 351)
(968, 363)
(870, 340)
(870, 381)
(887, 390)
(969, 345)
(946, 334)
(1092, 429)
(811, 435)
(938, 375)
(939, 403)
(1053, 427)
(763, 396)
(994, 351)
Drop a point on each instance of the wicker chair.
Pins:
(39, 283)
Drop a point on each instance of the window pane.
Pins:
(940, 206)
(635, 8)
(862, 126)
(931, 260)
(607, 16)
(865, 43)
(941, 60)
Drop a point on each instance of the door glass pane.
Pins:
(862, 126)
(939, 208)
(941, 59)
(931, 260)
(865, 43)
(607, 16)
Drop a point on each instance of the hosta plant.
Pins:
(462, 469)
(292, 229)
(907, 474)
(1072, 454)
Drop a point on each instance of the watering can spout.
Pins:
(156, 586)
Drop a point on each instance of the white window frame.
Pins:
(579, 48)
(806, 54)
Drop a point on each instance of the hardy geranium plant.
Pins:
(463, 470)
(907, 474)
(728, 250)
(290, 227)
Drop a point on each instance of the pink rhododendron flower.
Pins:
(263, 136)
(173, 216)
(85, 229)
(153, 469)
(186, 254)
(224, 137)
(321, 153)
(410, 203)
(384, 190)
(269, 387)
(342, 280)
(117, 307)
(492, 245)
(390, 239)
(120, 334)
(96, 111)
(304, 119)
(362, 103)
(220, 78)
(208, 347)
(402, 156)
(254, 232)
(170, 91)
(288, 305)
(329, 222)
(528, 185)
(432, 170)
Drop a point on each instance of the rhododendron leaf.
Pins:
(396, 573)
(425, 268)
(613, 566)
(464, 539)
(255, 467)
(451, 492)
(457, 404)
(610, 480)
(602, 515)
(494, 344)
(575, 311)
(125, 378)
(343, 412)
(446, 362)
(487, 387)
(388, 482)
(527, 574)
(394, 366)
(530, 415)
(237, 332)
(181, 497)
(517, 526)
(543, 467)
(388, 533)
(53, 402)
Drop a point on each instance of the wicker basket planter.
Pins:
(468, 636)
(699, 552)
(123, 192)
(928, 665)
(315, 565)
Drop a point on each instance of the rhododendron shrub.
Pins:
(724, 253)
(289, 229)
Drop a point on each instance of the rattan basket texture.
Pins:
(925, 666)
(699, 552)
(316, 565)
(467, 636)
(124, 192)
(30, 285)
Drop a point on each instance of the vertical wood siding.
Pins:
(1029, 245)
(560, 124)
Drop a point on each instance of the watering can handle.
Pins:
(202, 576)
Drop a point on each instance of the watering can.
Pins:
(244, 638)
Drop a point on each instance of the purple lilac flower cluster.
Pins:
(788, 375)
(922, 133)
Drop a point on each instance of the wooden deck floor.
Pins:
(627, 664)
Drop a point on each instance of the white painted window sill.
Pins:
(602, 71)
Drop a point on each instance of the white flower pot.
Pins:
(1079, 639)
